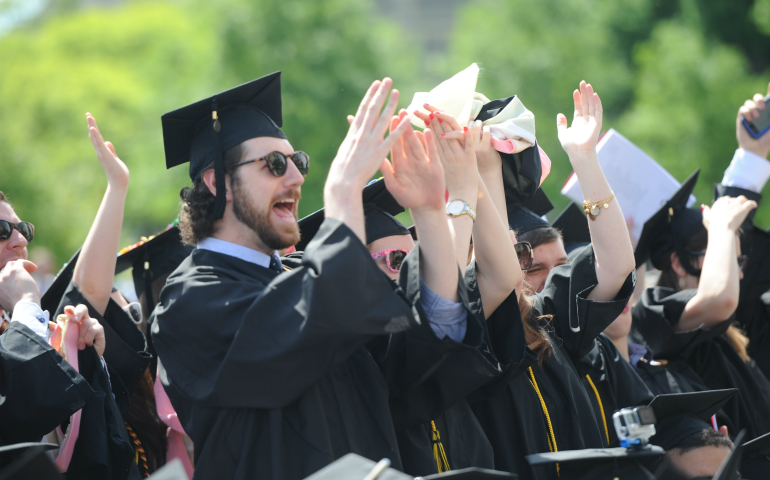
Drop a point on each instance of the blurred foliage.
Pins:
(671, 76)
(131, 63)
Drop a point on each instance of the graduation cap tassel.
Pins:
(442, 462)
(219, 167)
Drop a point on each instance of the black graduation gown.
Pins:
(39, 390)
(457, 370)
(753, 312)
(709, 354)
(268, 372)
(515, 420)
(611, 384)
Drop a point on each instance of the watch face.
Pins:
(454, 207)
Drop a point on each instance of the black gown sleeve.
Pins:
(125, 346)
(576, 320)
(655, 314)
(426, 374)
(290, 330)
(39, 390)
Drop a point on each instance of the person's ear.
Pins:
(210, 179)
(676, 266)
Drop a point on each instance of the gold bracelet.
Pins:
(592, 209)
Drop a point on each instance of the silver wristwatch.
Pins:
(455, 208)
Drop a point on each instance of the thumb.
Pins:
(28, 266)
(111, 147)
(350, 119)
(561, 121)
(723, 431)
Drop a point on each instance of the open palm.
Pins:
(114, 168)
(415, 177)
(583, 135)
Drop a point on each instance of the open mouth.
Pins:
(285, 208)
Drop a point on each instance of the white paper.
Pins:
(641, 186)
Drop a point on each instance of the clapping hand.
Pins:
(751, 110)
(114, 168)
(580, 139)
(456, 149)
(415, 177)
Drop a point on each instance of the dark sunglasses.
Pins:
(524, 252)
(26, 229)
(394, 258)
(276, 162)
(743, 260)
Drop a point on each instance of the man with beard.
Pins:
(267, 367)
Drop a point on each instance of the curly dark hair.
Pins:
(196, 220)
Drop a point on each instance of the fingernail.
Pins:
(440, 121)
(702, 206)
(465, 128)
(442, 135)
(431, 116)
(81, 345)
(427, 123)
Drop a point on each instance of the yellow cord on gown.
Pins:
(438, 451)
(601, 407)
(552, 438)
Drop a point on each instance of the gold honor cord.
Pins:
(552, 438)
(438, 451)
(601, 407)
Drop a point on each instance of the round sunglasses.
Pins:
(26, 229)
(394, 258)
(525, 255)
(277, 163)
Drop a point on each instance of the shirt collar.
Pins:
(239, 251)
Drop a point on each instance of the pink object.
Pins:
(64, 340)
(502, 146)
(545, 163)
(166, 412)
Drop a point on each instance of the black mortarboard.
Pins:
(27, 460)
(600, 463)
(355, 467)
(573, 225)
(758, 447)
(151, 259)
(681, 415)
(472, 473)
(162, 254)
(380, 209)
(200, 133)
(669, 228)
(521, 170)
(521, 219)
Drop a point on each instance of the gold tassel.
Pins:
(550, 437)
(438, 451)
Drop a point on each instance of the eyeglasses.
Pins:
(743, 260)
(393, 258)
(276, 162)
(524, 252)
(26, 229)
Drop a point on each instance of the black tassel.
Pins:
(219, 167)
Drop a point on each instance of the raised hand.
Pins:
(114, 168)
(581, 138)
(727, 212)
(750, 109)
(364, 147)
(415, 177)
(456, 149)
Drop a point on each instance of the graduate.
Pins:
(547, 409)
(266, 366)
(688, 316)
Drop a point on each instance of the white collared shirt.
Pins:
(238, 251)
(748, 171)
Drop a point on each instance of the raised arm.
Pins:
(95, 268)
(360, 155)
(609, 235)
(719, 285)
(415, 178)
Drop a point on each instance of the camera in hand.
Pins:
(759, 126)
